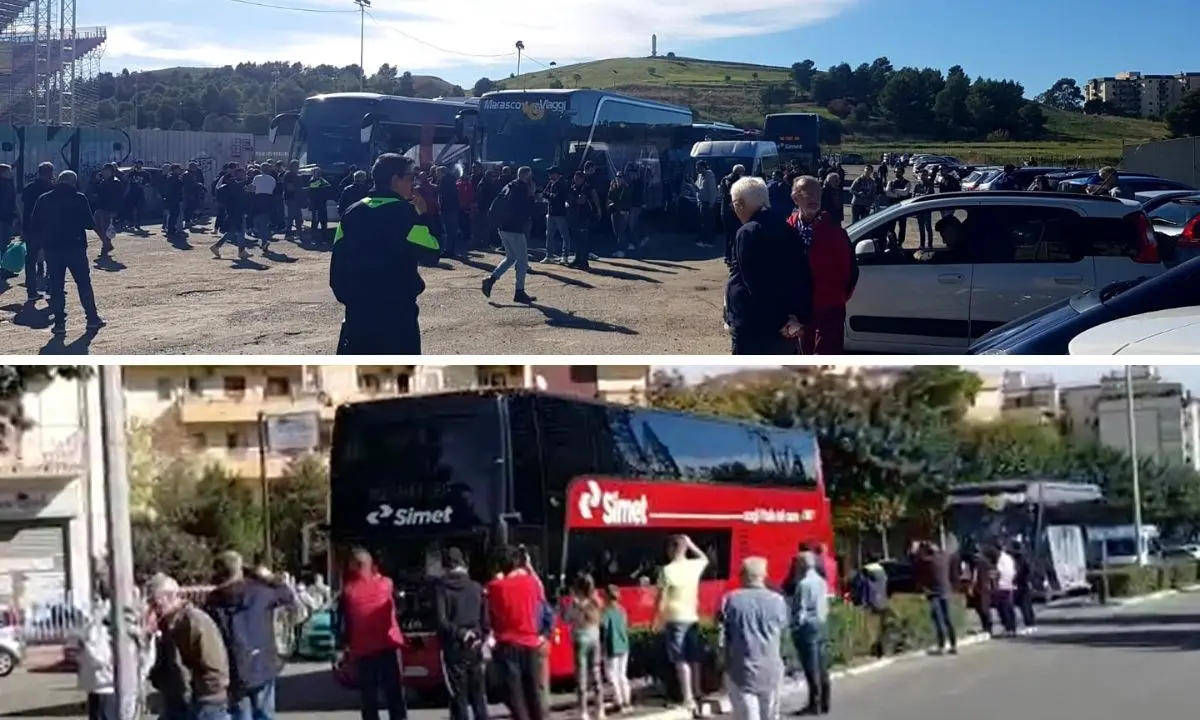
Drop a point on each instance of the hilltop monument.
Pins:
(653, 46)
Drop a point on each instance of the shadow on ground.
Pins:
(1174, 638)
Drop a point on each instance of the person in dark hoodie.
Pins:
(377, 249)
(729, 219)
(355, 191)
(61, 219)
(463, 628)
(512, 211)
(768, 297)
(8, 206)
(135, 199)
(447, 201)
(233, 198)
(1023, 585)
(780, 193)
(171, 188)
(110, 193)
(244, 611)
(369, 637)
(35, 264)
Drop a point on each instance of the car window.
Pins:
(1108, 237)
(1176, 213)
(899, 242)
(1017, 234)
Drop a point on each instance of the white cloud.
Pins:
(562, 31)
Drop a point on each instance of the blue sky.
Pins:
(1033, 41)
(1075, 375)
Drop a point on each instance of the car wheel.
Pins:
(8, 663)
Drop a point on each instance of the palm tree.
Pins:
(577, 78)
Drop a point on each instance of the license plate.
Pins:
(415, 671)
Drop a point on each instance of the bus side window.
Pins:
(632, 557)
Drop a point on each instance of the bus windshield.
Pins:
(328, 133)
(516, 140)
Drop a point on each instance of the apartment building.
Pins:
(1142, 95)
(52, 518)
(216, 410)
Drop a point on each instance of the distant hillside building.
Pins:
(1142, 95)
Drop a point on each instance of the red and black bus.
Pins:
(585, 486)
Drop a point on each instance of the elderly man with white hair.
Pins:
(768, 298)
(831, 262)
(60, 220)
(191, 669)
(752, 620)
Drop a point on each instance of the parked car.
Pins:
(1162, 332)
(12, 649)
(1129, 183)
(1016, 253)
(1175, 215)
(980, 176)
(1049, 331)
(1022, 177)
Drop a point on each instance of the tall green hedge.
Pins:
(853, 633)
(1131, 580)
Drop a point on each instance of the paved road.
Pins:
(1136, 662)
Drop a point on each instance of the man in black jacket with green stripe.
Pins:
(378, 246)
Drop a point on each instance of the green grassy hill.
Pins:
(729, 92)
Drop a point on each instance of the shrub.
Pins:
(852, 634)
(1141, 580)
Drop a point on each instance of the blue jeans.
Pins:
(516, 253)
(257, 704)
(195, 711)
(810, 647)
(557, 228)
(939, 613)
(380, 674)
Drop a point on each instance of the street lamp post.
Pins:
(520, 48)
(1133, 458)
(362, 42)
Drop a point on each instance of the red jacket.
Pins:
(832, 262)
(368, 611)
(466, 194)
(514, 607)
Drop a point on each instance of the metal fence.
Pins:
(1177, 160)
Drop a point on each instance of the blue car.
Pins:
(1129, 183)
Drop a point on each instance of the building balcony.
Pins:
(234, 410)
(44, 452)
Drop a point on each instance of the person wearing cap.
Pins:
(556, 194)
(378, 246)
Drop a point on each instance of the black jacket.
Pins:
(232, 196)
(518, 209)
(247, 608)
(769, 277)
(557, 196)
(351, 194)
(61, 219)
(373, 269)
(29, 197)
(8, 200)
(447, 193)
(110, 194)
(461, 610)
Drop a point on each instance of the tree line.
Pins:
(238, 98)
(891, 451)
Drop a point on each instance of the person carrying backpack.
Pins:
(244, 611)
(511, 212)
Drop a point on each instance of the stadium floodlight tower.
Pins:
(46, 62)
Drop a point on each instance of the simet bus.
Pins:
(798, 136)
(338, 130)
(566, 128)
(583, 485)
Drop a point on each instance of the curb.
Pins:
(720, 705)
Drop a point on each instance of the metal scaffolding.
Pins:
(47, 63)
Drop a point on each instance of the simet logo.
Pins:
(409, 516)
(615, 510)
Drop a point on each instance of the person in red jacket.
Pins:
(834, 272)
(370, 637)
(515, 604)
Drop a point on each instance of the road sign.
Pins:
(293, 432)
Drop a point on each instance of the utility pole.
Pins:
(520, 49)
(1133, 458)
(362, 42)
(120, 540)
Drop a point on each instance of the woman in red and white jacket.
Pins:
(834, 272)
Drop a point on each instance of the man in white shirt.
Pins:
(678, 614)
(1006, 577)
(263, 187)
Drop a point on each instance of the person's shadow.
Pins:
(29, 315)
(57, 345)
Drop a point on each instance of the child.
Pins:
(583, 614)
(614, 634)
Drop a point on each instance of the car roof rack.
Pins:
(1014, 193)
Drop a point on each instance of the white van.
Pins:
(760, 158)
